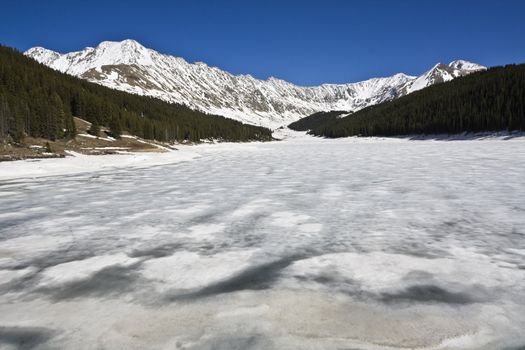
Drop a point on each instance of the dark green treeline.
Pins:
(316, 119)
(492, 100)
(40, 102)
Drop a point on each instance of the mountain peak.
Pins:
(42, 55)
(465, 65)
(37, 50)
(403, 76)
(441, 73)
(127, 51)
(131, 42)
(127, 43)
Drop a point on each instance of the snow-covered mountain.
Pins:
(129, 66)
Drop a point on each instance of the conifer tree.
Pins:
(94, 129)
(114, 128)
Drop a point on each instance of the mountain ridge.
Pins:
(129, 66)
(487, 101)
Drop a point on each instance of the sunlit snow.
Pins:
(297, 244)
(270, 103)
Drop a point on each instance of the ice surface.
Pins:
(302, 243)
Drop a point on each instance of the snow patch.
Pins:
(188, 270)
(82, 269)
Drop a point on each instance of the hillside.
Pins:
(81, 143)
(491, 100)
(316, 119)
(39, 102)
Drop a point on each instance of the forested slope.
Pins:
(40, 102)
(491, 100)
(315, 120)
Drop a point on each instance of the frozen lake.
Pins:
(301, 244)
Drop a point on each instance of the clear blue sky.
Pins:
(306, 42)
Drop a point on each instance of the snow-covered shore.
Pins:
(76, 163)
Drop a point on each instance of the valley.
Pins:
(262, 175)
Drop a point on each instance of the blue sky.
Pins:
(306, 42)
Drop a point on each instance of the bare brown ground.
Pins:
(83, 143)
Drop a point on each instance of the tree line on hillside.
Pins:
(38, 101)
(491, 100)
(314, 120)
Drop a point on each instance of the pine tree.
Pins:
(71, 129)
(115, 128)
(94, 129)
(4, 116)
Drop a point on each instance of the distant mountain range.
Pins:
(492, 100)
(130, 67)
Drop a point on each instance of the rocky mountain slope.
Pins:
(131, 67)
